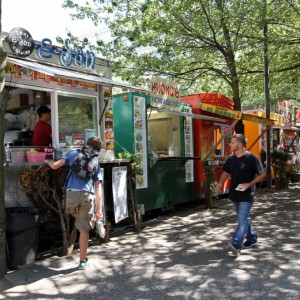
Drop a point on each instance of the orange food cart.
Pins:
(211, 139)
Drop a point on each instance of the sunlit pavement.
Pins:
(180, 256)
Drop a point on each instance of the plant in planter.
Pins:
(279, 161)
(294, 169)
(211, 184)
(263, 159)
(45, 187)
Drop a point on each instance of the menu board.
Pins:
(108, 120)
(109, 130)
(189, 149)
(140, 141)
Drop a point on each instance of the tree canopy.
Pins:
(205, 45)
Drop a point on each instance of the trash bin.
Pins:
(22, 232)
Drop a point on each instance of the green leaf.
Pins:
(206, 46)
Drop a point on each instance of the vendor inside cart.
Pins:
(42, 134)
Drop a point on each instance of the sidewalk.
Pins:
(181, 256)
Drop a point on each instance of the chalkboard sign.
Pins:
(21, 42)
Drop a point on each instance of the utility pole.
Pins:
(267, 94)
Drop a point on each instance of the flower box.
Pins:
(34, 157)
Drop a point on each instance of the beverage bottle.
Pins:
(7, 152)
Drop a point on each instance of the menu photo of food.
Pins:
(109, 146)
(188, 177)
(138, 136)
(138, 124)
(108, 114)
(188, 166)
(107, 92)
(139, 181)
(187, 148)
(109, 123)
(189, 171)
(187, 129)
(109, 135)
(138, 114)
(187, 138)
(139, 147)
(138, 101)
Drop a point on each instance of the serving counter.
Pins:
(15, 195)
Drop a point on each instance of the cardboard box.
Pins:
(17, 101)
(42, 98)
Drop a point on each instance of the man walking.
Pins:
(245, 170)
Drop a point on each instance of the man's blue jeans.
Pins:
(244, 226)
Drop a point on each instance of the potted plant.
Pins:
(294, 170)
(211, 184)
(279, 161)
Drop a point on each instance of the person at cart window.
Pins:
(42, 134)
(83, 197)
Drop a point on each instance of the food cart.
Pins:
(211, 138)
(74, 84)
(256, 132)
(158, 130)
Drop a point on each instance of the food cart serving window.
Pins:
(70, 110)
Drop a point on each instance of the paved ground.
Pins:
(182, 256)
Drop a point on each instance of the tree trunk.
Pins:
(234, 81)
(3, 103)
(240, 127)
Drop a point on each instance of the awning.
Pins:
(235, 114)
(186, 114)
(287, 127)
(258, 112)
(257, 119)
(72, 74)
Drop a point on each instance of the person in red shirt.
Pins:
(42, 134)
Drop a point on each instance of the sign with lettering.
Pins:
(66, 56)
(278, 120)
(20, 42)
(257, 119)
(234, 114)
(167, 93)
(119, 189)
